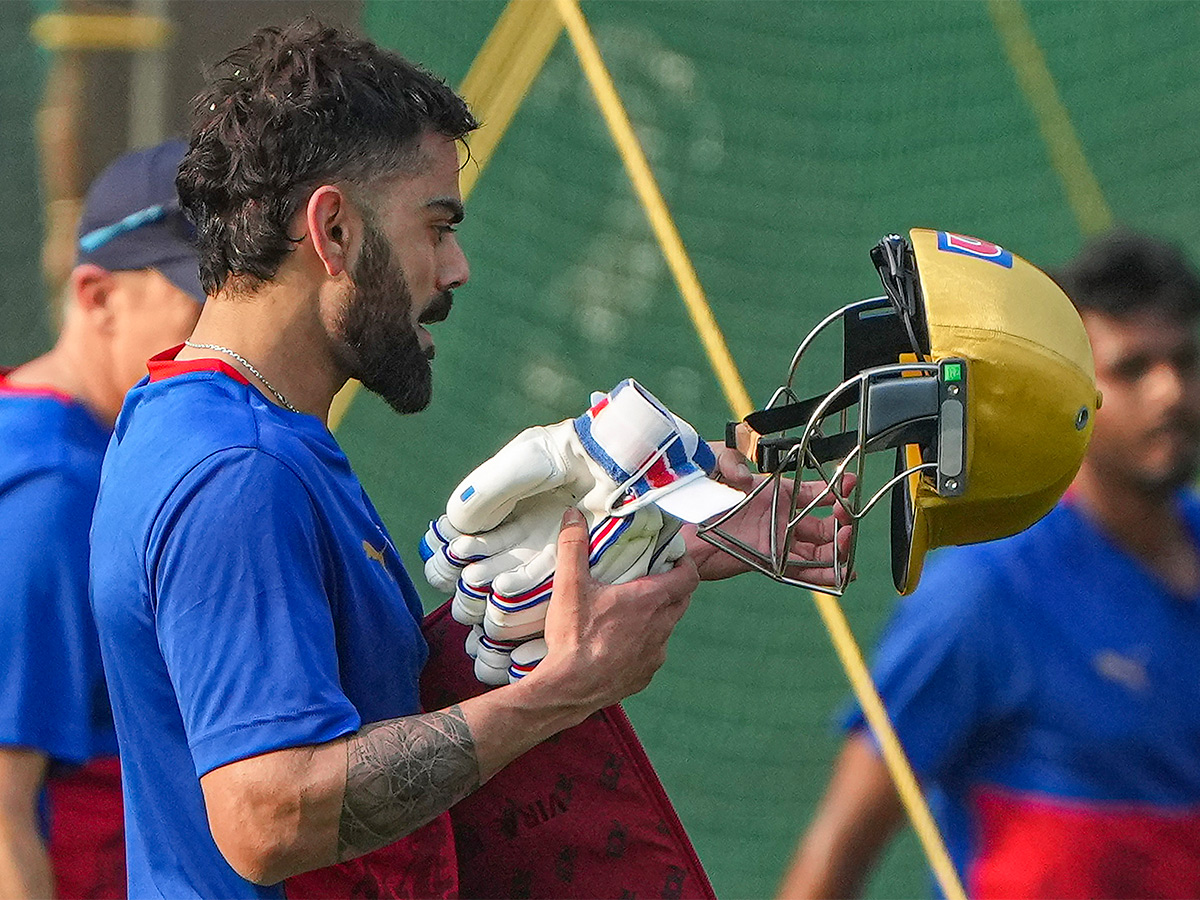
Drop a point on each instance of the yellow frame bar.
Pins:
(100, 31)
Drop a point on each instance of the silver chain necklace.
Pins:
(283, 401)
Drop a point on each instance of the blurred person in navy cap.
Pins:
(134, 291)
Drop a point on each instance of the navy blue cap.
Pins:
(132, 220)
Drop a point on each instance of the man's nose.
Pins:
(453, 271)
(1168, 383)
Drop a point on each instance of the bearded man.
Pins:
(261, 636)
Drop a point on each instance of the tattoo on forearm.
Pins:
(401, 774)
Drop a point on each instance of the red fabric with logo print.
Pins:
(582, 815)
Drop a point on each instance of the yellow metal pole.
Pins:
(100, 31)
(831, 613)
(1054, 122)
(655, 206)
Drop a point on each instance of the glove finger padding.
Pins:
(474, 587)
(620, 548)
(441, 567)
(492, 659)
(525, 657)
(533, 522)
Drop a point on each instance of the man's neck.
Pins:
(1146, 524)
(280, 335)
(78, 368)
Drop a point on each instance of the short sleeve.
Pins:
(241, 584)
(934, 666)
(50, 663)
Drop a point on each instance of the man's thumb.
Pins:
(571, 563)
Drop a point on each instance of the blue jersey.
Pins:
(52, 695)
(1045, 688)
(248, 599)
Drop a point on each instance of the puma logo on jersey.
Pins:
(372, 553)
(1126, 671)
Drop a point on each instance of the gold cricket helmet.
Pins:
(974, 368)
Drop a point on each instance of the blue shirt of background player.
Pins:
(1047, 665)
(52, 696)
(241, 602)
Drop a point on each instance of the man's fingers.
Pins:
(679, 581)
(814, 530)
(733, 469)
(828, 496)
(571, 566)
(821, 549)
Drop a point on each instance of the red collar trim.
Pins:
(165, 365)
(32, 390)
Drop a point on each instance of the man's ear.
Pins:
(327, 216)
(91, 292)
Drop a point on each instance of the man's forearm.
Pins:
(400, 776)
(402, 773)
(293, 810)
(24, 863)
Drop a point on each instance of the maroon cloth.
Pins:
(87, 831)
(582, 815)
(420, 865)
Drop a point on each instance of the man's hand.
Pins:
(605, 642)
(300, 808)
(813, 539)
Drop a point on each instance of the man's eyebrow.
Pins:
(451, 205)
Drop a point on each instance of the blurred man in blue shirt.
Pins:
(1045, 686)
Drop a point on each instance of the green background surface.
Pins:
(787, 138)
(24, 317)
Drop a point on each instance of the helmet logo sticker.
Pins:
(969, 246)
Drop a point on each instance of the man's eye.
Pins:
(444, 230)
(1130, 370)
(1186, 362)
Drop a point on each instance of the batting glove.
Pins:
(623, 463)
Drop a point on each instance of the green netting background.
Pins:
(787, 138)
(24, 319)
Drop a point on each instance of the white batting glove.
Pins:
(621, 461)
(625, 452)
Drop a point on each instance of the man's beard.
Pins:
(1175, 473)
(384, 352)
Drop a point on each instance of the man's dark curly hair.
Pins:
(295, 108)
(1124, 273)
